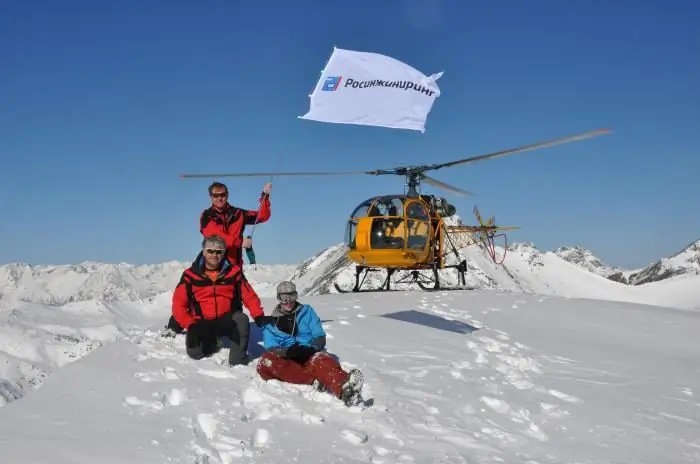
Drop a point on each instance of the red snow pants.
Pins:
(322, 367)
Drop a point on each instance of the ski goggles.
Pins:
(287, 297)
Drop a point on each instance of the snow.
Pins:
(543, 361)
(585, 259)
(534, 379)
(686, 261)
(58, 284)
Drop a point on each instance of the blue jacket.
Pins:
(309, 331)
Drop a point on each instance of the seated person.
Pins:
(208, 303)
(294, 342)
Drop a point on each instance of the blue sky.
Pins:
(104, 104)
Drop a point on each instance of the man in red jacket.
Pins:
(208, 302)
(229, 221)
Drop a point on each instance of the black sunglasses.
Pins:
(219, 195)
(214, 252)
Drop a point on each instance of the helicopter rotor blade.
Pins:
(512, 151)
(450, 188)
(268, 174)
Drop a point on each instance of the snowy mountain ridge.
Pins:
(522, 271)
(685, 262)
(585, 258)
(67, 283)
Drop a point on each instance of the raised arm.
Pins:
(262, 214)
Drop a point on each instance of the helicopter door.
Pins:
(418, 225)
(384, 233)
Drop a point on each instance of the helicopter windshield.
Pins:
(389, 205)
(418, 225)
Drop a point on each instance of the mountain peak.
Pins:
(686, 261)
(584, 258)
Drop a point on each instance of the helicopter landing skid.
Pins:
(364, 270)
(421, 279)
(412, 276)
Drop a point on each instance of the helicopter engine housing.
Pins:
(443, 207)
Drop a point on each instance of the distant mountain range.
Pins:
(525, 269)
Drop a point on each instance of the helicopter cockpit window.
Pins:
(362, 210)
(386, 231)
(417, 210)
(350, 233)
(418, 224)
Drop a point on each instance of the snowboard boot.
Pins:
(350, 393)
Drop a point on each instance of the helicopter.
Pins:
(414, 232)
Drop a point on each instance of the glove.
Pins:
(263, 320)
(300, 353)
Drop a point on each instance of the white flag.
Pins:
(372, 90)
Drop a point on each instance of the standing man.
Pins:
(229, 221)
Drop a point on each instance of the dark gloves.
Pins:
(300, 353)
(264, 320)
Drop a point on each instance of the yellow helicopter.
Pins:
(414, 232)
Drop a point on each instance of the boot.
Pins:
(352, 387)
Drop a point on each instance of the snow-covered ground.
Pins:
(515, 378)
(53, 315)
(550, 361)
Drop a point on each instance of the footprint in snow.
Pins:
(261, 438)
(564, 397)
(521, 416)
(167, 373)
(356, 437)
(136, 402)
(217, 374)
(553, 411)
(174, 397)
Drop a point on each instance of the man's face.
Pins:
(219, 197)
(213, 256)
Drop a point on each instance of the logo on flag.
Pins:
(332, 83)
(373, 90)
